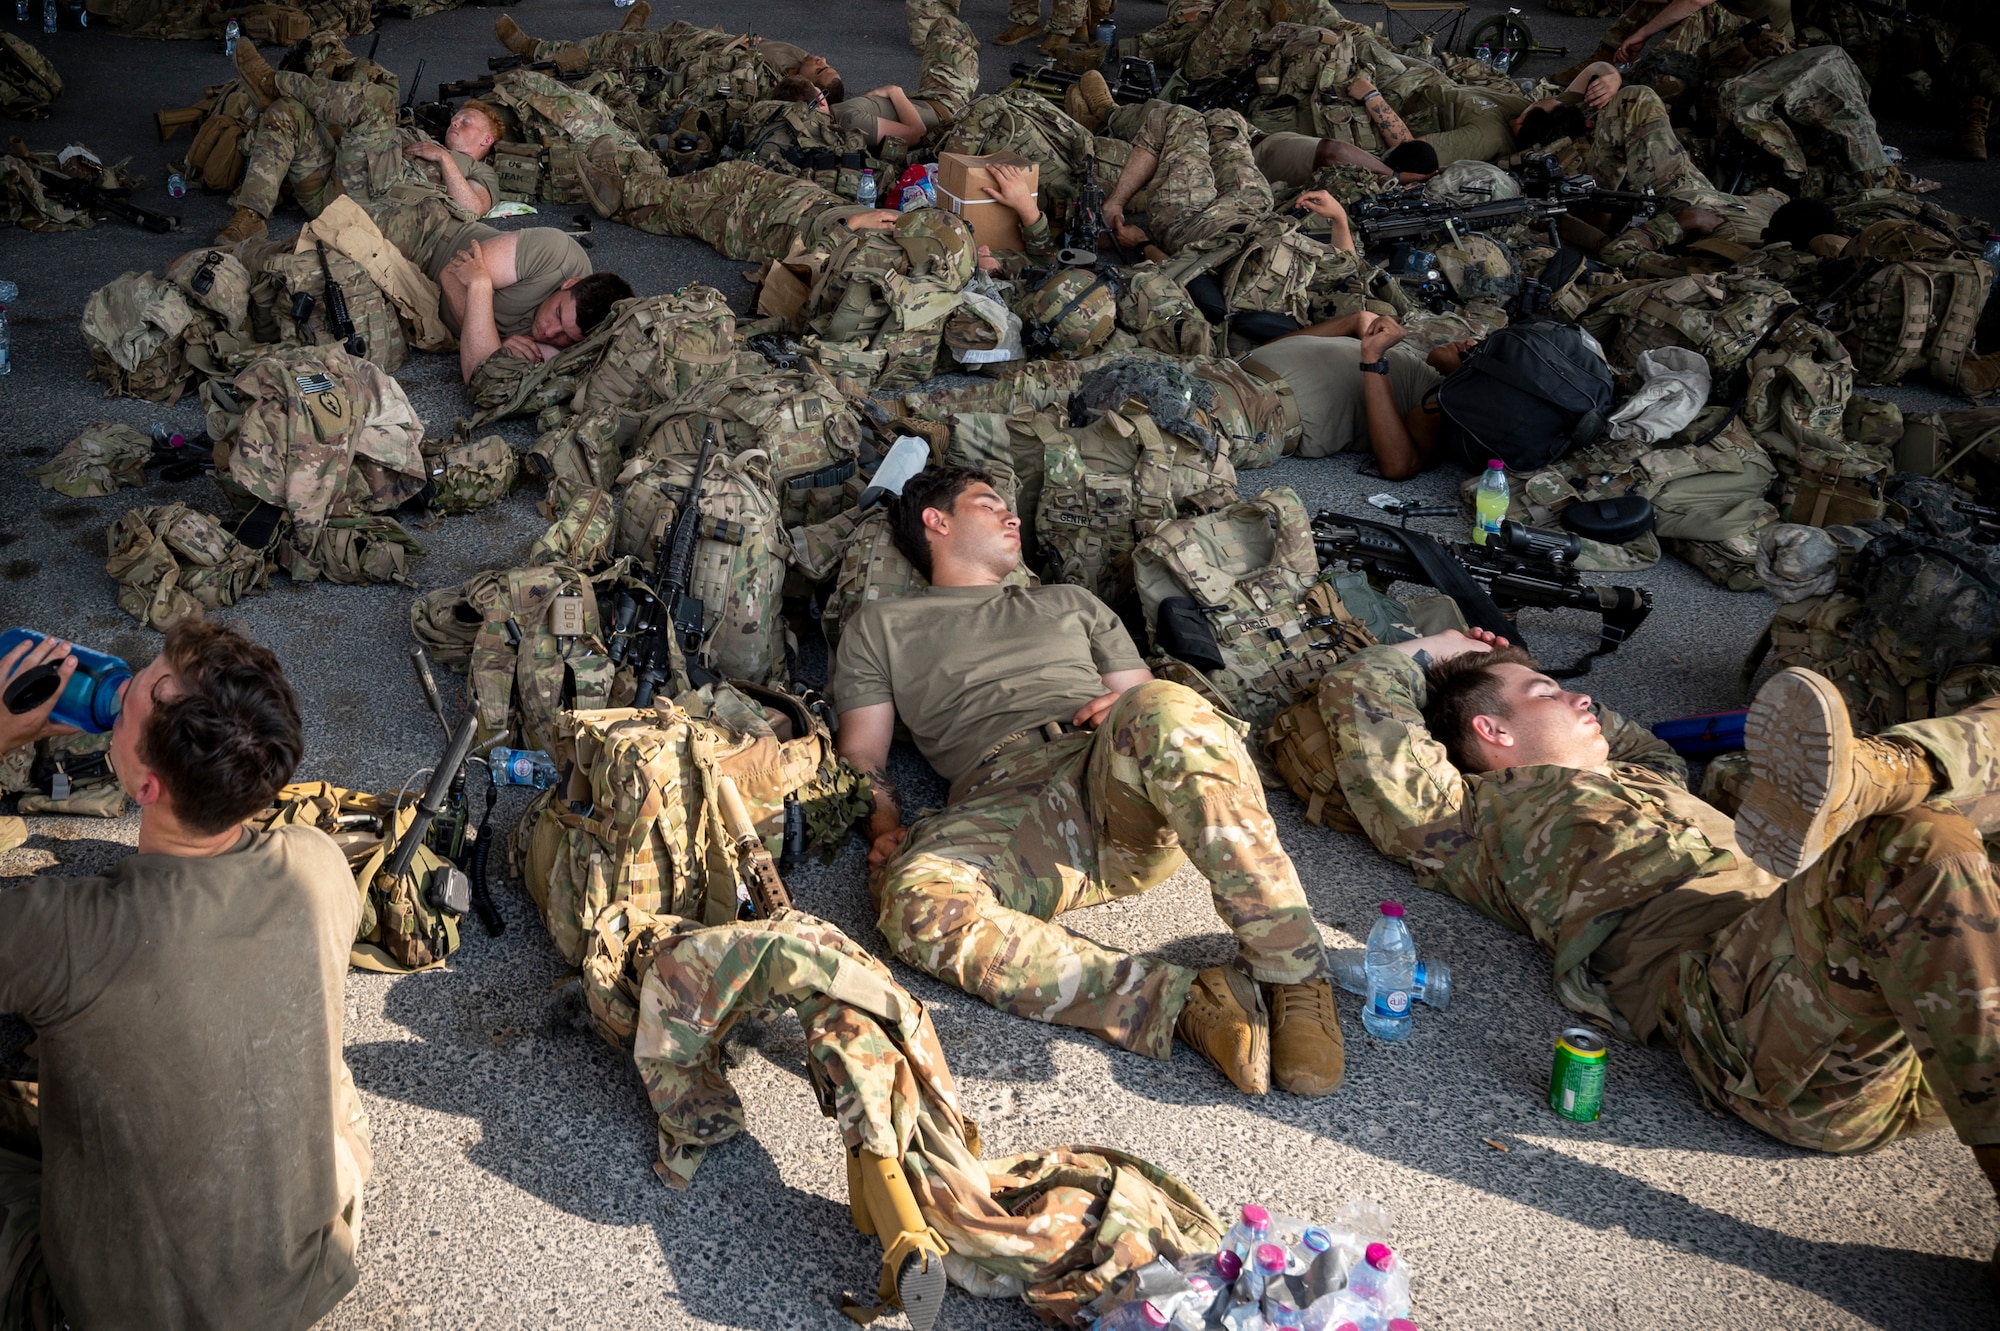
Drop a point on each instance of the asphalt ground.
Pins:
(513, 1182)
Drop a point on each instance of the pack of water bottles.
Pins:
(1276, 1273)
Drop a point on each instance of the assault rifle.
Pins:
(674, 618)
(406, 113)
(1233, 91)
(1523, 566)
(445, 829)
(339, 321)
(80, 193)
(1086, 209)
(1543, 178)
(1136, 82)
(1406, 215)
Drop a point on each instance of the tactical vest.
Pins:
(799, 419)
(171, 563)
(872, 319)
(283, 278)
(659, 348)
(794, 139)
(1918, 314)
(1242, 573)
(1255, 413)
(1270, 265)
(1159, 312)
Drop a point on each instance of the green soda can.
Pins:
(1576, 1082)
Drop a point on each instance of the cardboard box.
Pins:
(961, 187)
(784, 285)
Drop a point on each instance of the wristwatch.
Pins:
(1375, 366)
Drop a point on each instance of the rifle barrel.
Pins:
(435, 796)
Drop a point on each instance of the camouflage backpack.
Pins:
(468, 476)
(1224, 592)
(1829, 635)
(800, 420)
(583, 520)
(1233, 29)
(216, 281)
(879, 304)
(1720, 315)
(1157, 310)
(739, 559)
(215, 150)
(172, 563)
(28, 82)
(659, 348)
(794, 139)
(506, 385)
(284, 278)
(1107, 485)
(1070, 316)
(316, 442)
(132, 327)
(402, 927)
(1919, 313)
(1270, 265)
(1255, 414)
(526, 640)
(104, 458)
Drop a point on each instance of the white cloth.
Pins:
(1674, 391)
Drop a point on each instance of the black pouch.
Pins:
(1182, 631)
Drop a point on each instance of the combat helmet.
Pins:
(940, 246)
(1478, 267)
(1468, 182)
(1070, 315)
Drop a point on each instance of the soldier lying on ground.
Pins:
(1825, 966)
(946, 84)
(671, 48)
(1076, 777)
(1294, 161)
(191, 1151)
(1199, 169)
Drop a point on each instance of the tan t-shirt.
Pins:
(1325, 377)
(1474, 123)
(188, 1013)
(1286, 159)
(968, 666)
(544, 259)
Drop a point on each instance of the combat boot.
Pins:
(1225, 1022)
(881, 1203)
(1813, 778)
(597, 172)
(508, 33)
(1088, 101)
(1016, 33)
(636, 16)
(1972, 128)
(1058, 42)
(244, 224)
(257, 73)
(1989, 1160)
(1308, 1056)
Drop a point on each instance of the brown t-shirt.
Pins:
(1286, 159)
(1324, 374)
(864, 114)
(480, 173)
(188, 1013)
(544, 259)
(968, 666)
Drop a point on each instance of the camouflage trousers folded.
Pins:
(1080, 821)
(1857, 1004)
(1206, 181)
(285, 146)
(741, 209)
(361, 119)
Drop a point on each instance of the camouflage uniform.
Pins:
(1633, 146)
(1835, 1011)
(285, 146)
(745, 211)
(972, 896)
(1206, 182)
(1689, 35)
(1821, 90)
(1065, 16)
(948, 77)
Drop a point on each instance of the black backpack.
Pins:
(1526, 395)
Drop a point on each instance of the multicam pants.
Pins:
(1634, 147)
(740, 208)
(1080, 821)
(285, 146)
(1689, 35)
(948, 77)
(1206, 181)
(1809, 110)
(1065, 16)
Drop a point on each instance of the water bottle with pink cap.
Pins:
(1139, 1315)
(1244, 1236)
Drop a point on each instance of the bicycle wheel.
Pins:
(1502, 32)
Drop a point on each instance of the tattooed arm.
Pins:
(863, 740)
(1394, 132)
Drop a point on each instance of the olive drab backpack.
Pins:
(1225, 592)
(740, 557)
(659, 348)
(800, 419)
(29, 84)
(172, 563)
(1917, 314)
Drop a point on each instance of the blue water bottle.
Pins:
(94, 695)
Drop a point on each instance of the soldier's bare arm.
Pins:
(471, 279)
(1347, 325)
(863, 740)
(1394, 132)
(1115, 685)
(1132, 177)
(465, 193)
(908, 124)
(1660, 22)
(1403, 444)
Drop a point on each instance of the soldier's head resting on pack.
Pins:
(1496, 709)
(823, 76)
(207, 734)
(474, 129)
(1412, 161)
(567, 314)
(799, 88)
(954, 528)
(1548, 120)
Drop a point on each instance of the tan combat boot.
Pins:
(244, 224)
(881, 1203)
(1972, 128)
(257, 73)
(1088, 101)
(1813, 778)
(1989, 1160)
(1308, 1056)
(636, 16)
(597, 172)
(1058, 42)
(1225, 1022)
(1016, 33)
(508, 33)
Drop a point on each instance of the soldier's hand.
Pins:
(1319, 201)
(1092, 712)
(883, 849)
(886, 90)
(1599, 92)
(1381, 335)
(428, 150)
(1629, 52)
(1010, 186)
(27, 727)
(1441, 647)
(520, 344)
(469, 267)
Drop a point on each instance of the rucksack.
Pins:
(1159, 312)
(1526, 395)
(802, 422)
(1235, 25)
(1919, 313)
(1722, 316)
(172, 562)
(132, 328)
(659, 348)
(879, 303)
(283, 278)
(582, 521)
(1255, 413)
(1270, 266)
(1225, 592)
(28, 82)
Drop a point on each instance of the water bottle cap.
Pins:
(1393, 909)
(1256, 1216)
(1495, 464)
(1317, 1239)
(1228, 1265)
(1381, 1256)
(1401, 1324)
(1347, 1326)
(1270, 1258)
(1151, 1312)
(1200, 1284)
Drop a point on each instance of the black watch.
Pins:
(1375, 366)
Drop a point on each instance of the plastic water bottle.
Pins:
(90, 701)
(621, 4)
(1392, 968)
(522, 767)
(230, 32)
(48, 15)
(1489, 502)
(1484, 55)
(82, 14)
(177, 186)
(9, 293)
(865, 196)
(20, 11)
(1244, 1236)
(1992, 256)
(1503, 60)
(1138, 1315)
(1349, 969)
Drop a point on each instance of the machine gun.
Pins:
(80, 193)
(1233, 91)
(1137, 80)
(445, 828)
(1542, 177)
(1523, 566)
(1408, 215)
(339, 321)
(661, 625)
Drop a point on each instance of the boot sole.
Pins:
(1798, 738)
(920, 1289)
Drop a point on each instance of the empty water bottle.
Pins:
(1138, 1315)
(1244, 1236)
(177, 186)
(865, 196)
(621, 4)
(1349, 969)
(48, 15)
(1503, 60)
(522, 767)
(9, 293)
(230, 32)
(1992, 257)
(90, 701)
(1392, 966)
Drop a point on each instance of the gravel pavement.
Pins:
(513, 1183)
